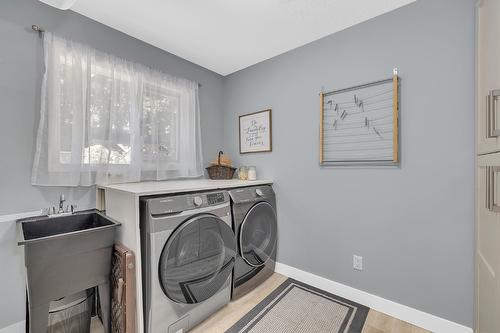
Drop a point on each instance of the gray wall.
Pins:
(414, 225)
(20, 77)
(12, 281)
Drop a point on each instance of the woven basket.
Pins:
(220, 171)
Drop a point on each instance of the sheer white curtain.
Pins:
(104, 120)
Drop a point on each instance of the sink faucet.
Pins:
(51, 211)
(61, 204)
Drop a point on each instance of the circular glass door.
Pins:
(258, 234)
(197, 259)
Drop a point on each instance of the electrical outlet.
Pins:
(357, 262)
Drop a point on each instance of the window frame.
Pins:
(54, 129)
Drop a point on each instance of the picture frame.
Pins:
(255, 132)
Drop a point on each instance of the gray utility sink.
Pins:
(65, 255)
(37, 229)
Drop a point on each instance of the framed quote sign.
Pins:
(256, 132)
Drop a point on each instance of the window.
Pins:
(104, 119)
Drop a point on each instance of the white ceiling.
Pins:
(228, 35)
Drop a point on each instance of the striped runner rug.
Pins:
(295, 307)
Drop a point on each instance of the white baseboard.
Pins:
(396, 310)
(19, 327)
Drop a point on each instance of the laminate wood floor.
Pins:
(219, 322)
(96, 325)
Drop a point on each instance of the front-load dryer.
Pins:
(256, 230)
(188, 253)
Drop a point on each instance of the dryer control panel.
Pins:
(252, 194)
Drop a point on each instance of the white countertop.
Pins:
(178, 186)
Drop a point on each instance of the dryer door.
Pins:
(258, 234)
(197, 259)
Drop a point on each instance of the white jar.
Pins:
(252, 173)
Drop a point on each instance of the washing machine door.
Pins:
(197, 259)
(258, 233)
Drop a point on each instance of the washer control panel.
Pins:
(179, 203)
(215, 198)
(197, 201)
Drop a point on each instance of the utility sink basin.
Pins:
(45, 228)
(65, 255)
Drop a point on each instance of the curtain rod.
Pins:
(41, 30)
(38, 29)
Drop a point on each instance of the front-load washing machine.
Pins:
(188, 253)
(255, 227)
